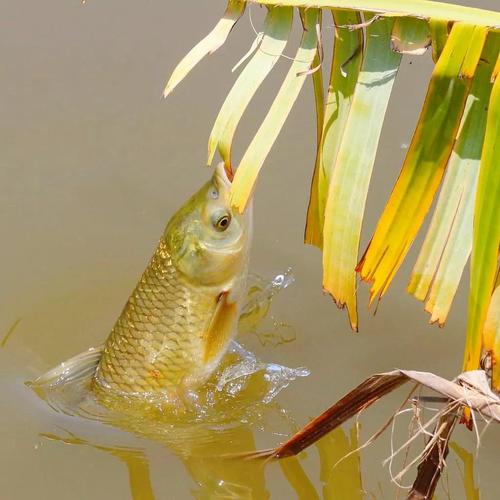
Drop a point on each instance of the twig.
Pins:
(430, 469)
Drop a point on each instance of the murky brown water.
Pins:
(93, 163)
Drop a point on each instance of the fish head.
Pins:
(207, 239)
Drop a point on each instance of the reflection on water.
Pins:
(340, 465)
(222, 477)
(208, 428)
(215, 477)
(217, 420)
(470, 490)
(134, 459)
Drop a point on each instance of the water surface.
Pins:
(93, 163)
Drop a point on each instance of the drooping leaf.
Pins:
(213, 41)
(347, 58)
(486, 239)
(353, 165)
(426, 158)
(251, 163)
(276, 30)
(448, 242)
(314, 229)
(417, 8)
(410, 36)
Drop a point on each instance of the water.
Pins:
(93, 163)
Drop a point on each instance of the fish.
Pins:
(181, 317)
(179, 320)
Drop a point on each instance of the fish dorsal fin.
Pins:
(220, 327)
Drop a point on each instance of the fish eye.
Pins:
(222, 223)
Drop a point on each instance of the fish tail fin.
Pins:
(81, 366)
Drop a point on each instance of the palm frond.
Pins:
(447, 246)
(426, 159)
(212, 42)
(314, 229)
(353, 164)
(251, 163)
(486, 233)
(424, 9)
(277, 27)
(346, 64)
(454, 148)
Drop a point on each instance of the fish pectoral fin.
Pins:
(81, 366)
(221, 325)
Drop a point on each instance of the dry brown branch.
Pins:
(469, 389)
(431, 468)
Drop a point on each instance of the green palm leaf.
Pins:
(486, 239)
(353, 166)
(212, 42)
(454, 148)
(276, 30)
(448, 243)
(415, 8)
(254, 157)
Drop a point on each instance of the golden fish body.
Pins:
(180, 318)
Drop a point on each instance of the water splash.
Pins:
(238, 389)
(255, 318)
(278, 377)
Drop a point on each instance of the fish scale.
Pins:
(157, 342)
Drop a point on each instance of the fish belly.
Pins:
(157, 343)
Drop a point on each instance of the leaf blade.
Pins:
(486, 233)
(353, 166)
(425, 162)
(346, 63)
(276, 29)
(417, 8)
(313, 230)
(491, 337)
(212, 42)
(251, 163)
(448, 243)
(439, 35)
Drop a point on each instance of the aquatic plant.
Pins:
(455, 146)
